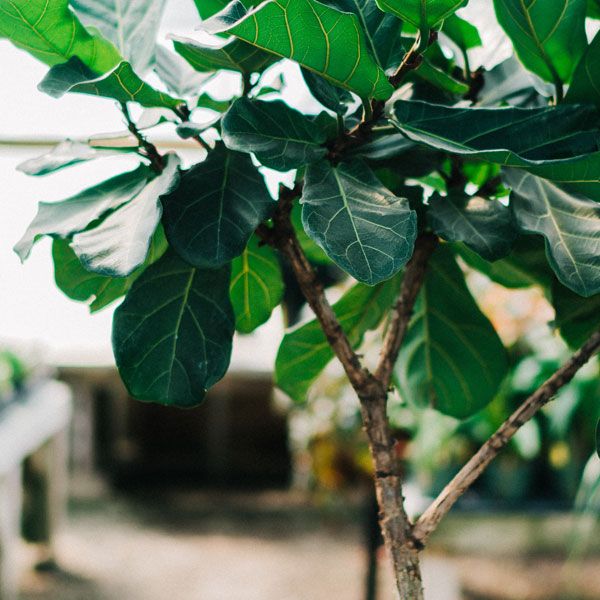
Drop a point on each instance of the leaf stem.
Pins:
(149, 149)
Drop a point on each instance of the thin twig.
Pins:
(414, 275)
(478, 463)
(184, 113)
(149, 149)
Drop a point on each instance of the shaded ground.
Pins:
(188, 546)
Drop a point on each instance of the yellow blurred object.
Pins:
(559, 455)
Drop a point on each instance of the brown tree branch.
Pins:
(149, 149)
(478, 463)
(414, 275)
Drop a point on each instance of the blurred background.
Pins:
(248, 497)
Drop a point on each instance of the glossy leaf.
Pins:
(305, 352)
(63, 219)
(576, 317)
(485, 226)
(232, 56)
(281, 138)
(177, 74)
(208, 8)
(256, 286)
(585, 87)
(360, 224)
(452, 359)
(63, 155)
(219, 203)
(548, 37)
(462, 33)
(52, 33)
(316, 36)
(172, 334)
(569, 223)
(120, 243)
(422, 13)
(593, 9)
(560, 143)
(84, 286)
(330, 96)
(131, 26)
(121, 83)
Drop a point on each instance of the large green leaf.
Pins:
(576, 317)
(548, 37)
(560, 143)
(362, 226)
(281, 138)
(208, 8)
(452, 358)
(462, 33)
(485, 226)
(593, 9)
(236, 55)
(570, 224)
(330, 96)
(172, 334)
(177, 74)
(422, 13)
(318, 37)
(65, 154)
(131, 26)
(305, 351)
(120, 243)
(79, 284)
(210, 217)
(52, 33)
(121, 83)
(585, 87)
(63, 219)
(256, 285)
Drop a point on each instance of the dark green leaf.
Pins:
(462, 33)
(313, 252)
(361, 225)
(177, 74)
(585, 87)
(63, 219)
(508, 82)
(53, 34)
(560, 143)
(305, 352)
(485, 226)
(548, 37)
(570, 224)
(81, 285)
(440, 79)
(236, 55)
(281, 138)
(172, 334)
(120, 243)
(256, 286)
(452, 359)
(330, 96)
(210, 217)
(121, 83)
(63, 155)
(576, 317)
(316, 36)
(593, 9)
(208, 8)
(131, 26)
(598, 426)
(422, 13)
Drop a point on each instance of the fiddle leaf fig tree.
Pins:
(420, 165)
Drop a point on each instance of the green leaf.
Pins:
(53, 34)
(452, 359)
(361, 225)
(421, 13)
(63, 219)
(570, 224)
(598, 429)
(172, 335)
(313, 252)
(79, 284)
(256, 286)
(585, 87)
(120, 243)
(177, 74)
(232, 56)
(305, 352)
(63, 155)
(462, 33)
(548, 37)
(576, 317)
(131, 26)
(281, 138)
(316, 36)
(440, 79)
(210, 217)
(560, 143)
(593, 9)
(208, 8)
(485, 226)
(121, 83)
(330, 96)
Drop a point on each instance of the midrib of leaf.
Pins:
(367, 32)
